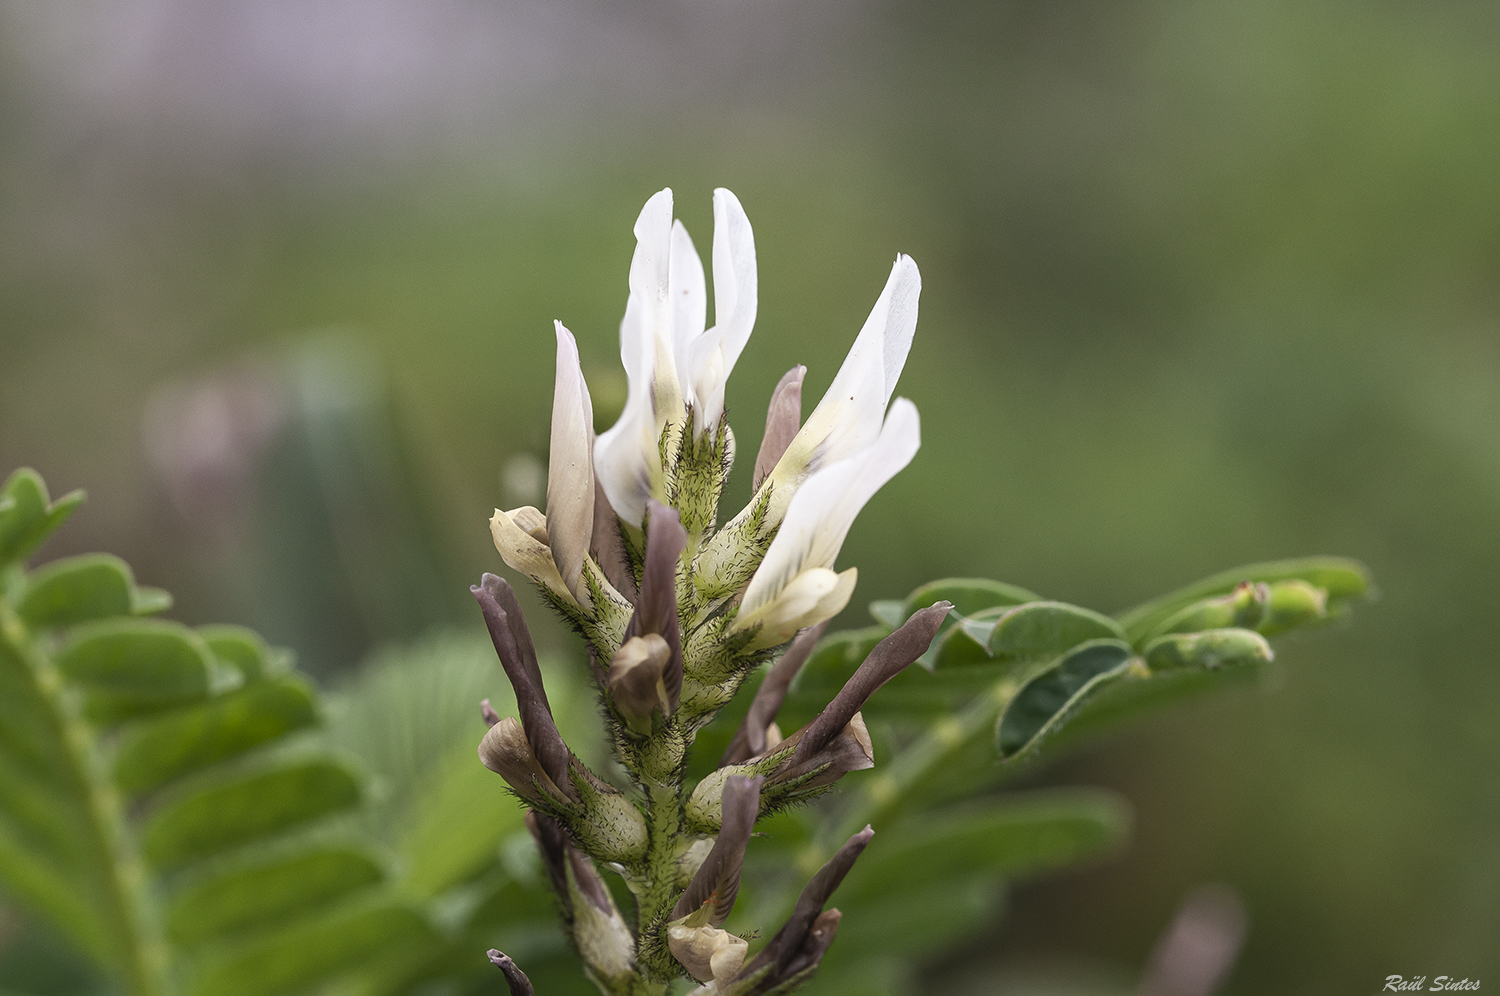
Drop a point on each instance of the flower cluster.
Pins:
(678, 611)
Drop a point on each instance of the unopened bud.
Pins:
(506, 751)
(783, 419)
(515, 979)
(708, 953)
(801, 943)
(636, 680)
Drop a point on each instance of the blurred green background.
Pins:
(1205, 283)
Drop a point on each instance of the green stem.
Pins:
(143, 957)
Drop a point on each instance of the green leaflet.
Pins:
(303, 953)
(138, 665)
(1042, 630)
(246, 808)
(157, 750)
(265, 893)
(1043, 705)
(243, 648)
(87, 587)
(190, 700)
(28, 516)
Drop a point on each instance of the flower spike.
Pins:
(515, 979)
(677, 609)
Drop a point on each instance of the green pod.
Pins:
(1214, 648)
(1293, 603)
(1244, 607)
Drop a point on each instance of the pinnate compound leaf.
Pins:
(306, 952)
(237, 811)
(1341, 578)
(263, 894)
(1047, 701)
(159, 749)
(1042, 630)
(28, 515)
(459, 823)
(1176, 667)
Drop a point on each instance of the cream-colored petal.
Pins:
(570, 468)
(523, 552)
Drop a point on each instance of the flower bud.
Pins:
(521, 537)
(887, 659)
(788, 779)
(570, 468)
(783, 419)
(502, 616)
(801, 943)
(515, 979)
(603, 937)
(645, 674)
(506, 751)
(635, 680)
(717, 881)
(708, 953)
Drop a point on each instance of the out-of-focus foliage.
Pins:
(1207, 282)
(167, 806)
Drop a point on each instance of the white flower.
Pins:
(671, 362)
(849, 418)
(795, 586)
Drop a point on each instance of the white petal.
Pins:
(570, 468)
(815, 595)
(626, 457)
(819, 515)
(689, 296)
(735, 282)
(849, 417)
